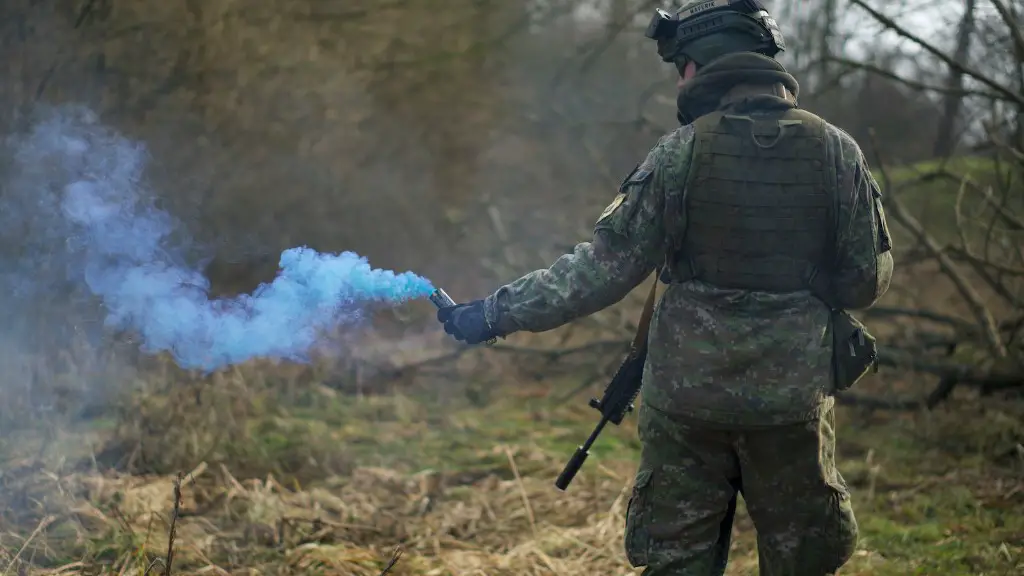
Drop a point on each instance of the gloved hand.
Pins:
(466, 322)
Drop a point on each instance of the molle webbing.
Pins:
(758, 203)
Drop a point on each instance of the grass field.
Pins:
(331, 484)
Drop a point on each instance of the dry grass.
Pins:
(349, 525)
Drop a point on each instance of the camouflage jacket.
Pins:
(733, 357)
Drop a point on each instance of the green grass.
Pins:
(935, 498)
(933, 200)
(938, 495)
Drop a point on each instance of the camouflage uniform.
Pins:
(737, 389)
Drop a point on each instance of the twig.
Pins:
(913, 84)
(43, 524)
(174, 524)
(1017, 155)
(152, 564)
(1009, 218)
(985, 271)
(889, 23)
(1016, 33)
(592, 50)
(972, 259)
(522, 490)
(84, 13)
(948, 267)
(394, 560)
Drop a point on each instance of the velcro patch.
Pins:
(619, 198)
(639, 175)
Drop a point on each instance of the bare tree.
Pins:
(980, 256)
(944, 140)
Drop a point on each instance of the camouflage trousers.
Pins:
(679, 518)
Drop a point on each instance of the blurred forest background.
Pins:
(471, 141)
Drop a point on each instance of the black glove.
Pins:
(466, 322)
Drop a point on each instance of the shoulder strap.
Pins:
(643, 327)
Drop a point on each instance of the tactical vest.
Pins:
(758, 201)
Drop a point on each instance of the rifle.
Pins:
(620, 394)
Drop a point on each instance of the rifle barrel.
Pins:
(579, 457)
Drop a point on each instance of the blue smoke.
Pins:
(81, 184)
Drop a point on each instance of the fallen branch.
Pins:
(962, 373)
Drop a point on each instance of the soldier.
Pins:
(766, 225)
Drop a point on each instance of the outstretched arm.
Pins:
(628, 244)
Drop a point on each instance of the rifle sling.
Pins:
(644, 325)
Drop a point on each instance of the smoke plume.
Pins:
(77, 193)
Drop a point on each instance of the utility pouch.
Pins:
(854, 350)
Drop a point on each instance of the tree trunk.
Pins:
(945, 140)
(826, 39)
(1015, 10)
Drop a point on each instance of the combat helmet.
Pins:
(705, 30)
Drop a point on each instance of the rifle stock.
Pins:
(620, 394)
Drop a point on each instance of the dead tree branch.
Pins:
(1016, 30)
(1004, 92)
(912, 84)
(948, 267)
